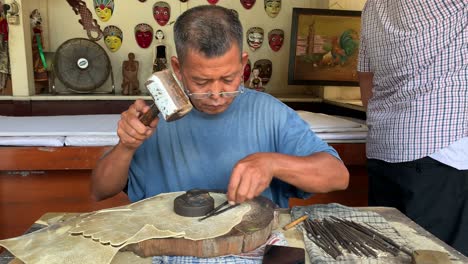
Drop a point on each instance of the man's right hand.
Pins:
(131, 131)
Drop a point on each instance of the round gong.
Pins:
(252, 232)
(193, 203)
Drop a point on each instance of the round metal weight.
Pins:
(81, 65)
(194, 203)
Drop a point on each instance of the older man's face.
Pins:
(200, 74)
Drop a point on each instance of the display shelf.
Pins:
(350, 104)
(284, 97)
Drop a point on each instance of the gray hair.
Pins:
(208, 29)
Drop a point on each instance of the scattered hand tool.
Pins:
(218, 210)
(296, 222)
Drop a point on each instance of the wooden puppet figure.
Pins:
(160, 59)
(130, 84)
(39, 63)
(256, 81)
(4, 56)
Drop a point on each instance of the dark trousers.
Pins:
(431, 193)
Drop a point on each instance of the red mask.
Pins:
(247, 70)
(275, 39)
(213, 2)
(161, 13)
(247, 4)
(143, 35)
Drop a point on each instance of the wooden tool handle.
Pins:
(295, 222)
(150, 115)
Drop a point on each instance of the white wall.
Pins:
(61, 24)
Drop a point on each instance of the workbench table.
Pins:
(413, 233)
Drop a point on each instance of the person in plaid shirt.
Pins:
(413, 75)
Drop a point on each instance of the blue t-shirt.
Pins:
(200, 150)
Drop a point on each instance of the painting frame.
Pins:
(319, 60)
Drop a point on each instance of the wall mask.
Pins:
(276, 39)
(247, 69)
(113, 38)
(272, 7)
(266, 68)
(247, 4)
(143, 35)
(161, 12)
(255, 37)
(104, 9)
(212, 2)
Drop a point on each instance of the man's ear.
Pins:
(244, 59)
(176, 67)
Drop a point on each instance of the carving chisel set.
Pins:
(336, 236)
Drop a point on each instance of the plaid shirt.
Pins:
(418, 53)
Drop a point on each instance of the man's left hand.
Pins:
(250, 177)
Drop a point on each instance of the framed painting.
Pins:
(324, 47)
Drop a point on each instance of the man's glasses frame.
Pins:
(200, 96)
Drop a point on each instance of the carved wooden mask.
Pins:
(255, 37)
(266, 69)
(272, 7)
(161, 12)
(276, 39)
(247, 4)
(143, 35)
(104, 9)
(113, 38)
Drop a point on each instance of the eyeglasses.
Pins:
(200, 96)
